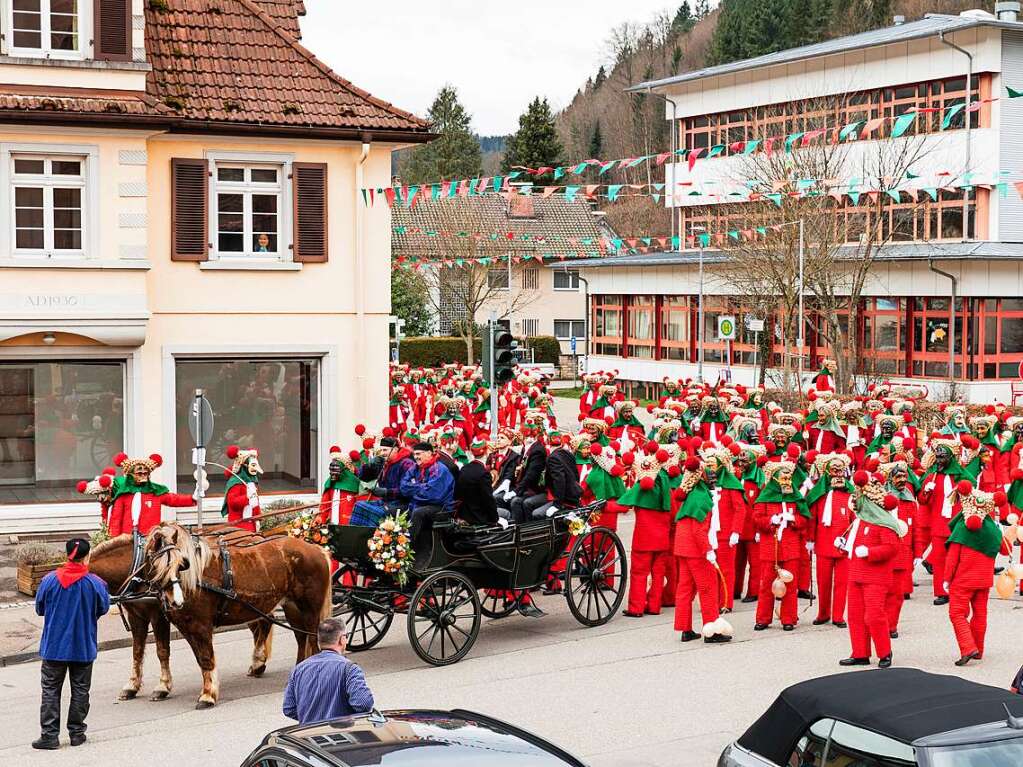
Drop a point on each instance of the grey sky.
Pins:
(499, 54)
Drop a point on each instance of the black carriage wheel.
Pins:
(367, 623)
(596, 576)
(496, 604)
(444, 618)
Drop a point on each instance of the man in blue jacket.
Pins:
(71, 601)
(429, 488)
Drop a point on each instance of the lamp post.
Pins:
(699, 319)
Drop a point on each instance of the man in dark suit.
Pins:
(562, 478)
(529, 493)
(474, 492)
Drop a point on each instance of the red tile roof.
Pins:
(79, 101)
(230, 61)
(285, 13)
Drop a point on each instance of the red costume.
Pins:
(937, 507)
(831, 519)
(748, 550)
(696, 575)
(870, 578)
(143, 510)
(732, 510)
(780, 544)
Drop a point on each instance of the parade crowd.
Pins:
(734, 497)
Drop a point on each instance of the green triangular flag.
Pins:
(902, 123)
(1013, 94)
(950, 114)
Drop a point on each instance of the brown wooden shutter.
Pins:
(189, 201)
(112, 34)
(310, 202)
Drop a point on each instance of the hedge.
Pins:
(546, 349)
(435, 351)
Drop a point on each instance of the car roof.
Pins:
(906, 704)
(425, 737)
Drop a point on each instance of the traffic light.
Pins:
(504, 352)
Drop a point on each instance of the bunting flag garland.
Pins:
(855, 131)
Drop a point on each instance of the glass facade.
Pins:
(269, 404)
(60, 422)
(897, 336)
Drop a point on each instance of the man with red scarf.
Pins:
(137, 501)
(975, 539)
(829, 502)
(71, 601)
(781, 516)
(872, 543)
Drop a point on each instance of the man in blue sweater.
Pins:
(71, 601)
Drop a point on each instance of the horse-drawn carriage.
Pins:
(465, 573)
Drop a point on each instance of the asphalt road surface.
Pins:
(628, 693)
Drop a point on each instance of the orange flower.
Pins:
(387, 540)
(402, 540)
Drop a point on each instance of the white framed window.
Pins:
(248, 209)
(497, 278)
(531, 279)
(48, 204)
(50, 28)
(530, 327)
(566, 279)
(566, 330)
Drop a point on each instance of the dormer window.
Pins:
(51, 28)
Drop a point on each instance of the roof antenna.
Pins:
(1013, 722)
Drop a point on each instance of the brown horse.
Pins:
(268, 573)
(112, 561)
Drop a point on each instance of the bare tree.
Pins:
(793, 182)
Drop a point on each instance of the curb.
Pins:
(15, 659)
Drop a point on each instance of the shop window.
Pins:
(269, 404)
(675, 324)
(60, 422)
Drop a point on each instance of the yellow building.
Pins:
(180, 193)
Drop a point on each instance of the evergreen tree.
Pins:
(676, 60)
(684, 19)
(410, 301)
(702, 9)
(601, 77)
(596, 142)
(456, 151)
(535, 144)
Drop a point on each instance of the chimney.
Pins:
(899, 20)
(1007, 10)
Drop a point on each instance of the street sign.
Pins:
(572, 344)
(755, 326)
(726, 327)
(582, 365)
(200, 420)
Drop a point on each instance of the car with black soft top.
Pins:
(885, 718)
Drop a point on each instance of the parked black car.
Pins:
(884, 718)
(413, 738)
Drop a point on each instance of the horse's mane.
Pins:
(196, 551)
(110, 543)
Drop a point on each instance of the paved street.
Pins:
(625, 694)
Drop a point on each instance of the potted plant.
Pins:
(35, 560)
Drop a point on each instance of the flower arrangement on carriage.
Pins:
(305, 527)
(390, 547)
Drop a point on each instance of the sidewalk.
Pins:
(21, 628)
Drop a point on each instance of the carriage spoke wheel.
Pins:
(499, 603)
(596, 577)
(444, 618)
(367, 619)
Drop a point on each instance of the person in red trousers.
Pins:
(871, 544)
(975, 539)
(650, 497)
(829, 501)
(729, 518)
(696, 542)
(943, 471)
(241, 495)
(747, 468)
(910, 547)
(137, 501)
(781, 516)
